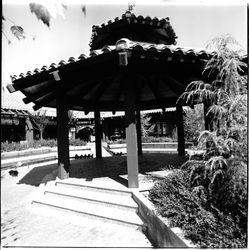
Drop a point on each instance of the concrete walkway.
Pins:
(23, 226)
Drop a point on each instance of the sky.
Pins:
(195, 24)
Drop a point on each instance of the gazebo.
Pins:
(134, 65)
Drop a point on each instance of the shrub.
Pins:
(192, 210)
(17, 146)
(43, 143)
(77, 142)
(232, 198)
(13, 146)
(149, 139)
(118, 141)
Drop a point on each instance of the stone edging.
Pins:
(157, 231)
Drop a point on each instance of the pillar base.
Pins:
(133, 181)
(62, 173)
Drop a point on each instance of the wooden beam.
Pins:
(131, 135)
(139, 80)
(85, 90)
(76, 78)
(139, 133)
(180, 130)
(99, 91)
(119, 106)
(62, 134)
(119, 91)
(31, 81)
(98, 134)
(42, 92)
(48, 98)
(153, 86)
(173, 84)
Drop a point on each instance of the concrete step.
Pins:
(94, 188)
(93, 197)
(93, 211)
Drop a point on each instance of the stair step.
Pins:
(108, 214)
(94, 188)
(126, 203)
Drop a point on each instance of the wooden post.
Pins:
(180, 130)
(62, 135)
(105, 130)
(98, 134)
(29, 137)
(131, 135)
(139, 134)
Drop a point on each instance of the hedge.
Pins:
(17, 146)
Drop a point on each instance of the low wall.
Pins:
(164, 144)
(157, 231)
(34, 151)
(38, 151)
(152, 145)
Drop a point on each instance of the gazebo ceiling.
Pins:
(160, 74)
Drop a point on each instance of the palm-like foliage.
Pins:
(227, 100)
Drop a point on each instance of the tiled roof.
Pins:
(167, 50)
(14, 101)
(131, 18)
(95, 82)
(162, 22)
(14, 112)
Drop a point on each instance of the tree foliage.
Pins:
(227, 99)
(40, 121)
(43, 12)
(146, 126)
(18, 32)
(212, 205)
(193, 123)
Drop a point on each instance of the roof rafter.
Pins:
(99, 91)
(153, 86)
(175, 85)
(42, 92)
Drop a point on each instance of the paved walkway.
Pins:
(22, 226)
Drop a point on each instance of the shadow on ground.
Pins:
(36, 175)
(116, 166)
(112, 167)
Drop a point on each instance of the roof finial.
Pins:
(131, 7)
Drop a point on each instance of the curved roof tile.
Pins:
(62, 62)
(131, 45)
(82, 57)
(71, 59)
(52, 66)
(132, 18)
